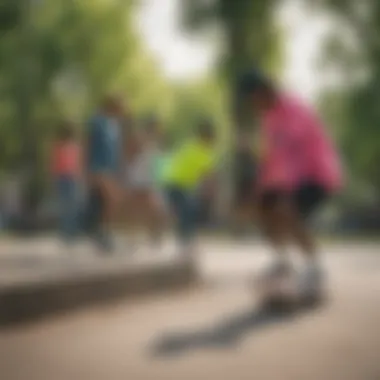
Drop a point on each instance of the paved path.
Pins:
(214, 332)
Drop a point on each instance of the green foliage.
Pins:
(202, 100)
(250, 34)
(359, 116)
(58, 58)
(250, 38)
(9, 15)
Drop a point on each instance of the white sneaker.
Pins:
(275, 276)
(278, 269)
(311, 281)
(187, 251)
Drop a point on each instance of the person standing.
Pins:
(104, 156)
(191, 165)
(66, 169)
(144, 200)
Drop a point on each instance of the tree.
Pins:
(58, 58)
(353, 50)
(250, 37)
(248, 29)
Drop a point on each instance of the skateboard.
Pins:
(284, 295)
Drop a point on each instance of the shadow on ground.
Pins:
(225, 334)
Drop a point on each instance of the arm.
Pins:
(211, 177)
(276, 165)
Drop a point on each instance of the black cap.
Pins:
(206, 128)
(251, 81)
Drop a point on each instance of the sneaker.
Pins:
(187, 251)
(104, 244)
(279, 269)
(277, 275)
(278, 283)
(311, 281)
(155, 244)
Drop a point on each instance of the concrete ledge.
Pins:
(27, 300)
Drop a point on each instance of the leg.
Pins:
(174, 198)
(190, 218)
(73, 209)
(158, 218)
(129, 210)
(97, 228)
(242, 218)
(68, 208)
(244, 204)
(182, 208)
(273, 210)
(307, 200)
(62, 200)
(142, 213)
(284, 218)
(131, 217)
(278, 284)
(304, 238)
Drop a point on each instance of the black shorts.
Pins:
(307, 198)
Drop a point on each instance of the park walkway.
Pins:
(214, 331)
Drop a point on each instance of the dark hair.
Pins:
(252, 81)
(109, 100)
(206, 129)
(150, 121)
(111, 103)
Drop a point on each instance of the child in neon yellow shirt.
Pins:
(189, 166)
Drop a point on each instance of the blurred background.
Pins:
(177, 59)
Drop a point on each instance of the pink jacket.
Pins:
(297, 149)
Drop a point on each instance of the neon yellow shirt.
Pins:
(190, 164)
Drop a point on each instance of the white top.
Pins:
(139, 172)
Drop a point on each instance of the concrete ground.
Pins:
(215, 331)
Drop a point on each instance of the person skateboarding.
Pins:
(103, 160)
(298, 171)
